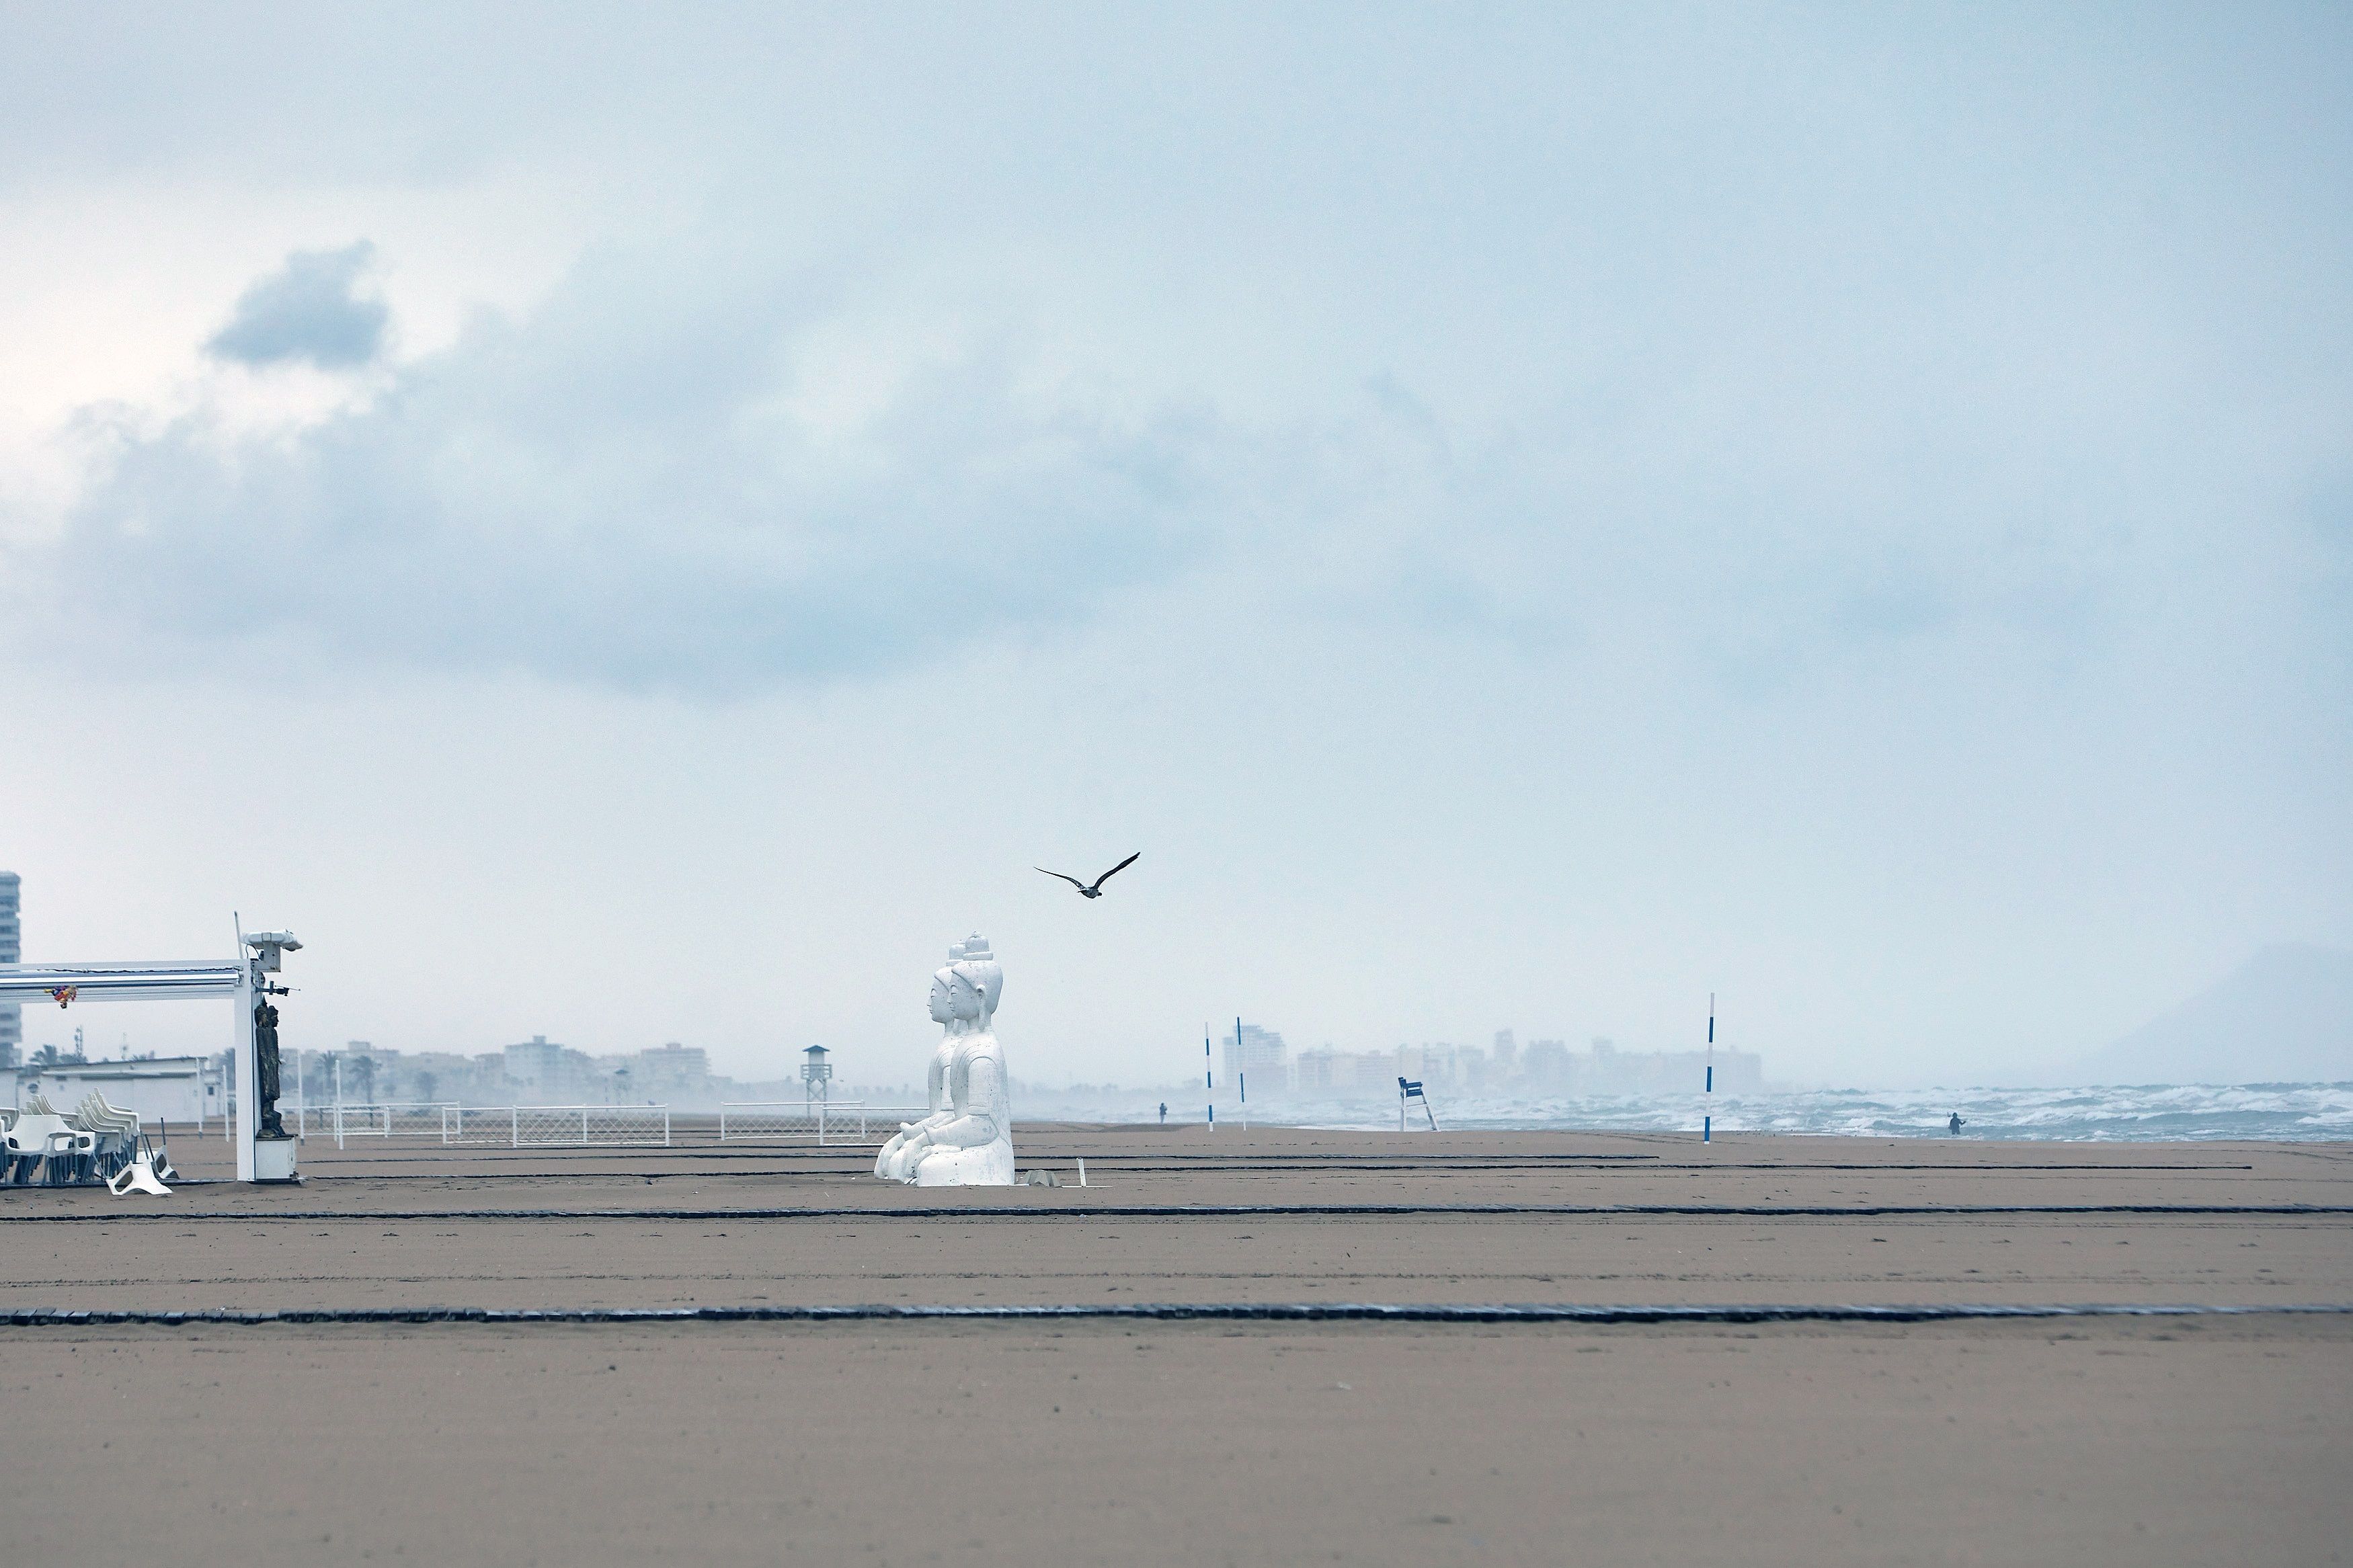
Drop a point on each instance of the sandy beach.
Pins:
(2094, 1439)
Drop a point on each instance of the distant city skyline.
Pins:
(2280, 1016)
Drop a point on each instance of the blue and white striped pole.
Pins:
(1241, 1078)
(1707, 1122)
(1208, 1078)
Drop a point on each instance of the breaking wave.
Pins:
(2293, 1111)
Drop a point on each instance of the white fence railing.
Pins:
(516, 1126)
(787, 1121)
(582, 1125)
(342, 1122)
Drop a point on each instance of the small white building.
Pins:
(160, 1089)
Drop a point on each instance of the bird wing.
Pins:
(1072, 880)
(1115, 870)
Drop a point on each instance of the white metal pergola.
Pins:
(238, 980)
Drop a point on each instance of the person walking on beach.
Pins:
(1164, 1113)
(1955, 1125)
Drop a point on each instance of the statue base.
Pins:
(273, 1158)
(989, 1165)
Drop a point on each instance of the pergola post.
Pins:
(248, 1080)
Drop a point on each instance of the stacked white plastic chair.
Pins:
(40, 1139)
(97, 1142)
(116, 1130)
(123, 1157)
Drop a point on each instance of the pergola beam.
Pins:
(66, 983)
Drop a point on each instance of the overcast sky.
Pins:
(637, 523)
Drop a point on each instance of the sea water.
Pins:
(2296, 1112)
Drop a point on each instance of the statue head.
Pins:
(965, 991)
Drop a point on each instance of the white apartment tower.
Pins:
(12, 1014)
(1262, 1054)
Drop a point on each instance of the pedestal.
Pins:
(273, 1158)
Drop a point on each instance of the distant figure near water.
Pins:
(1955, 1124)
(1164, 1113)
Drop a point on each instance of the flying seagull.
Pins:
(1095, 891)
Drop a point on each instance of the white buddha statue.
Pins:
(966, 1140)
(939, 1110)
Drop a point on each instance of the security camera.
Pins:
(269, 946)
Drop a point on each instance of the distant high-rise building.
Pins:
(538, 1061)
(673, 1068)
(12, 1014)
(1507, 1054)
(1260, 1054)
(1547, 1061)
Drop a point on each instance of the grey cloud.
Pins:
(613, 492)
(307, 309)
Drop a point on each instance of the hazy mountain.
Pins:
(2287, 1016)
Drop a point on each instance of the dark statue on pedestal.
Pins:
(266, 1070)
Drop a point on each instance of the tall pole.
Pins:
(248, 1083)
(1242, 1073)
(1706, 1121)
(1208, 1078)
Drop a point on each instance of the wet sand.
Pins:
(2100, 1440)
